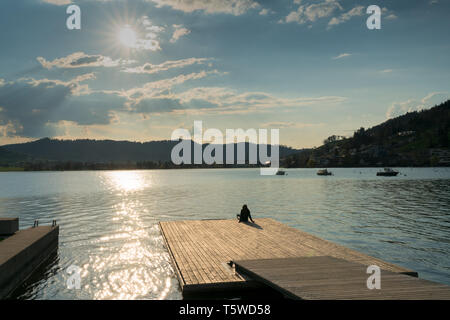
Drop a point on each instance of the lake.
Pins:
(108, 219)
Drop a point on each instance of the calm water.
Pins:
(108, 220)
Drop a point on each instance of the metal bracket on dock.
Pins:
(36, 223)
(229, 268)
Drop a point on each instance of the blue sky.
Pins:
(137, 70)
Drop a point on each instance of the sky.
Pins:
(138, 70)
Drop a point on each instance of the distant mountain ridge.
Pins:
(104, 150)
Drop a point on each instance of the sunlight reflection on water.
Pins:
(134, 270)
(126, 181)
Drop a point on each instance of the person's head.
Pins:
(244, 206)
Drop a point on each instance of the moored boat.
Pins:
(324, 172)
(387, 172)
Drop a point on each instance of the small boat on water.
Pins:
(280, 173)
(388, 172)
(324, 172)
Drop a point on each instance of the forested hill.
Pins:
(7, 156)
(102, 151)
(93, 150)
(420, 138)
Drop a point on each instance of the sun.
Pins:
(127, 36)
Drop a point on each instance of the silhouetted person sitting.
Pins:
(245, 215)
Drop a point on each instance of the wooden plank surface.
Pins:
(201, 249)
(330, 278)
(22, 253)
(22, 239)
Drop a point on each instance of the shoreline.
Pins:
(21, 169)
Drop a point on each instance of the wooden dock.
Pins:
(202, 249)
(22, 253)
(328, 278)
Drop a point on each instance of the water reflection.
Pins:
(129, 270)
(127, 181)
(128, 267)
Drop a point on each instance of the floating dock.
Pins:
(201, 252)
(328, 278)
(22, 253)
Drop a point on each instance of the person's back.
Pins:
(245, 214)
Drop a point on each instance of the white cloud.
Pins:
(342, 55)
(356, 11)
(161, 87)
(147, 44)
(387, 14)
(227, 101)
(399, 108)
(312, 12)
(179, 32)
(150, 41)
(58, 2)
(74, 84)
(157, 97)
(387, 71)
(391, 17)
(288, 124)
(80, 60)
(265, 12)
(234, 7)
(171, 64)
(8, 129)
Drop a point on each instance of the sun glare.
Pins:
(127, 36)
(127, 181)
